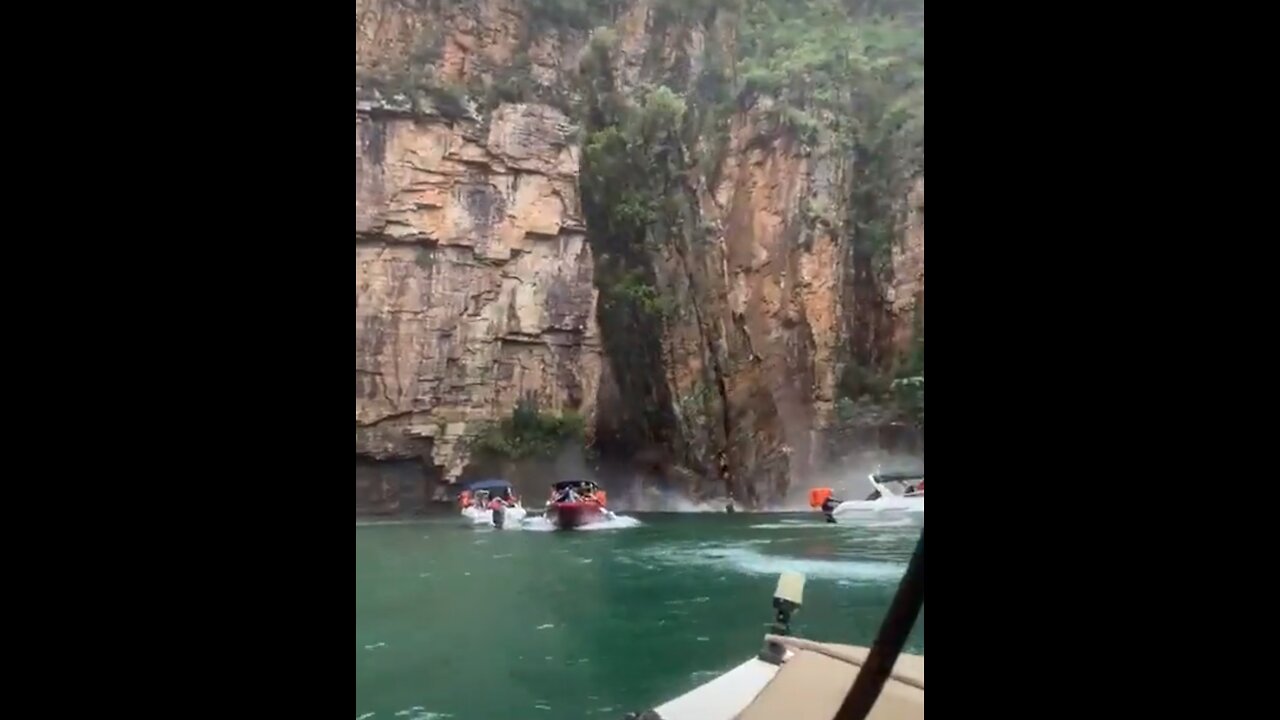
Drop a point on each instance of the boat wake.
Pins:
(417, 712)
(792, 525)
(750, 561)
(900, 522)
(540, 523)
(884, 519)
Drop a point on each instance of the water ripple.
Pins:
(750, 561)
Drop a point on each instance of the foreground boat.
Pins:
(490, 502)
(909, 497)
(809, 683)
(800, 679)
(577, 503)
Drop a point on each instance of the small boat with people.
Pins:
(575, 503)
(909, 497)
(490, 502)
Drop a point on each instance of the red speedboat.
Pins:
(575, 503)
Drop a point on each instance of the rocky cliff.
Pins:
(606, 208)
(473, 281)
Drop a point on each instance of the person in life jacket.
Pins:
(829, 506)
(498, 511)
(824, 499)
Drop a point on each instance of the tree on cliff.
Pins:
(529, 433)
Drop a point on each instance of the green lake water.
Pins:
(483, 624)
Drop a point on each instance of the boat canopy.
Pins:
(573, 484)
(898, 476)
(490, 485)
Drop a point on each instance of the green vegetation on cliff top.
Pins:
(843, 77)
(529, 434)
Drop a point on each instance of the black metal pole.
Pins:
(888, 645)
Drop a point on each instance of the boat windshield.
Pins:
(572, 491)
(897, 484)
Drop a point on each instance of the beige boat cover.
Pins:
(813, 682)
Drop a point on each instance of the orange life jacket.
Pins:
(817, 496)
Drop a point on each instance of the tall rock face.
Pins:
(720, 349)
(473, 285)
(906, 294)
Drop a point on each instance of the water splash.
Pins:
(617, 522)
(684, 505)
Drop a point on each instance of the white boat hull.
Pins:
(852, 508)
(810, 685)
(722, 698)
(478, 516)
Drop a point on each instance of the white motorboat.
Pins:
(491, 502)
(901, 492)
(514, 514)
(800, 679)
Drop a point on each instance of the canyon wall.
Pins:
(482, 280)
(473, 281)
